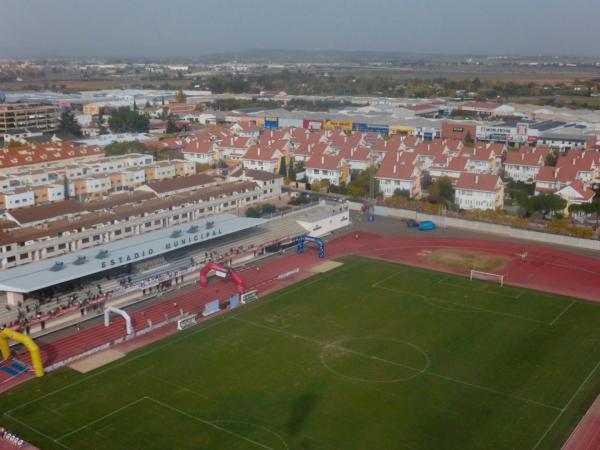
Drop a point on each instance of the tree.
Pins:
(402, 193)
(202, 167)
(253, 212)
(14, 143)
(359, 185)
(66, 188)
(468, 141)
(124, 120)
(282, 167)
(68, 124)
(441, 191)
(172, 127)
(121, 148)
(551, 159)
(180, 96)
(547, 203)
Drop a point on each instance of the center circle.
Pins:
(374, 359)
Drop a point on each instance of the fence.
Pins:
(484, 227)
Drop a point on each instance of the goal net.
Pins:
(494, 277)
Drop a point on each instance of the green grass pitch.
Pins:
(371, 355)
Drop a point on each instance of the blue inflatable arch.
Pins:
(306, 238)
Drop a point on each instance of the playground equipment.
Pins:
(112, 310)
(34, 350)
(306, 238)
(222, 272)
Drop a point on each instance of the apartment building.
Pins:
(109, 220)
(16, 116)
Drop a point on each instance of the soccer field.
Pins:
(371, 355)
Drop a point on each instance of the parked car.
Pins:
(427, 225)
(412, 223)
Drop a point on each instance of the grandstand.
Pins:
(59, 301)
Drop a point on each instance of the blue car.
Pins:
(426, 225)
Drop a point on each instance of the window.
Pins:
(11, 259)
(24, 256)
(49, 249)
(117, 232)
(85, 240)
(127, 229)
(62, 246)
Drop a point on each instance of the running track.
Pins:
(544, 268)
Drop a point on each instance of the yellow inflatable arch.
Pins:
(34, 350)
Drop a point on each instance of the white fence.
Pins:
(484, 227)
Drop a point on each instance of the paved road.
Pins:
(395, 227)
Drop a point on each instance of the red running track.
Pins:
(587, 434)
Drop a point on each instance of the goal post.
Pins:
(486, 276)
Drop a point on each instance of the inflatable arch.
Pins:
(120, 312)
(241, 288)
(34, 350)
(306, 238)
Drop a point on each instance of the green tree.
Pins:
(441, 191)
(121, 148)
(547, 203)
(180, 96)
(468, 141)
(360, 182)
(551, 159)
(283, 167)
(124, 120)
(172, 127)
(14, 143)
(253, 212)
(68, 124)
(67, 195)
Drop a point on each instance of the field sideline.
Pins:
(369, 355)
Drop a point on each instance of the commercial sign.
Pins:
(249, 296)
(271, 122)
(186, 322)
(173, 244)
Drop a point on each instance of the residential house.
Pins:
(479, 191)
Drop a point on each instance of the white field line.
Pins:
(443, 282)
(129, 359)
(35, 430)
(126, 361)
(210, 424)
(475, 309)
(585, 380)
(563, 312)
(113, 412)
(426, 372)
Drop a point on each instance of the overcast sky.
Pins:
(130, 28)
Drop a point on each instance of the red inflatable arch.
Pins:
(226, 270)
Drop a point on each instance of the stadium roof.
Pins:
(53, 271)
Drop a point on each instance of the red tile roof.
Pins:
(398, 166)
(323, 161)
(478, 182)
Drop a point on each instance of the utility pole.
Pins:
(371, 202)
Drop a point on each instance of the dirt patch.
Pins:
(325, 266)
(461, 259)
(98, 360)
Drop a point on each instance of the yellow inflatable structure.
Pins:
(34, 350)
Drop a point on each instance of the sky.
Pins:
(173, 28)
